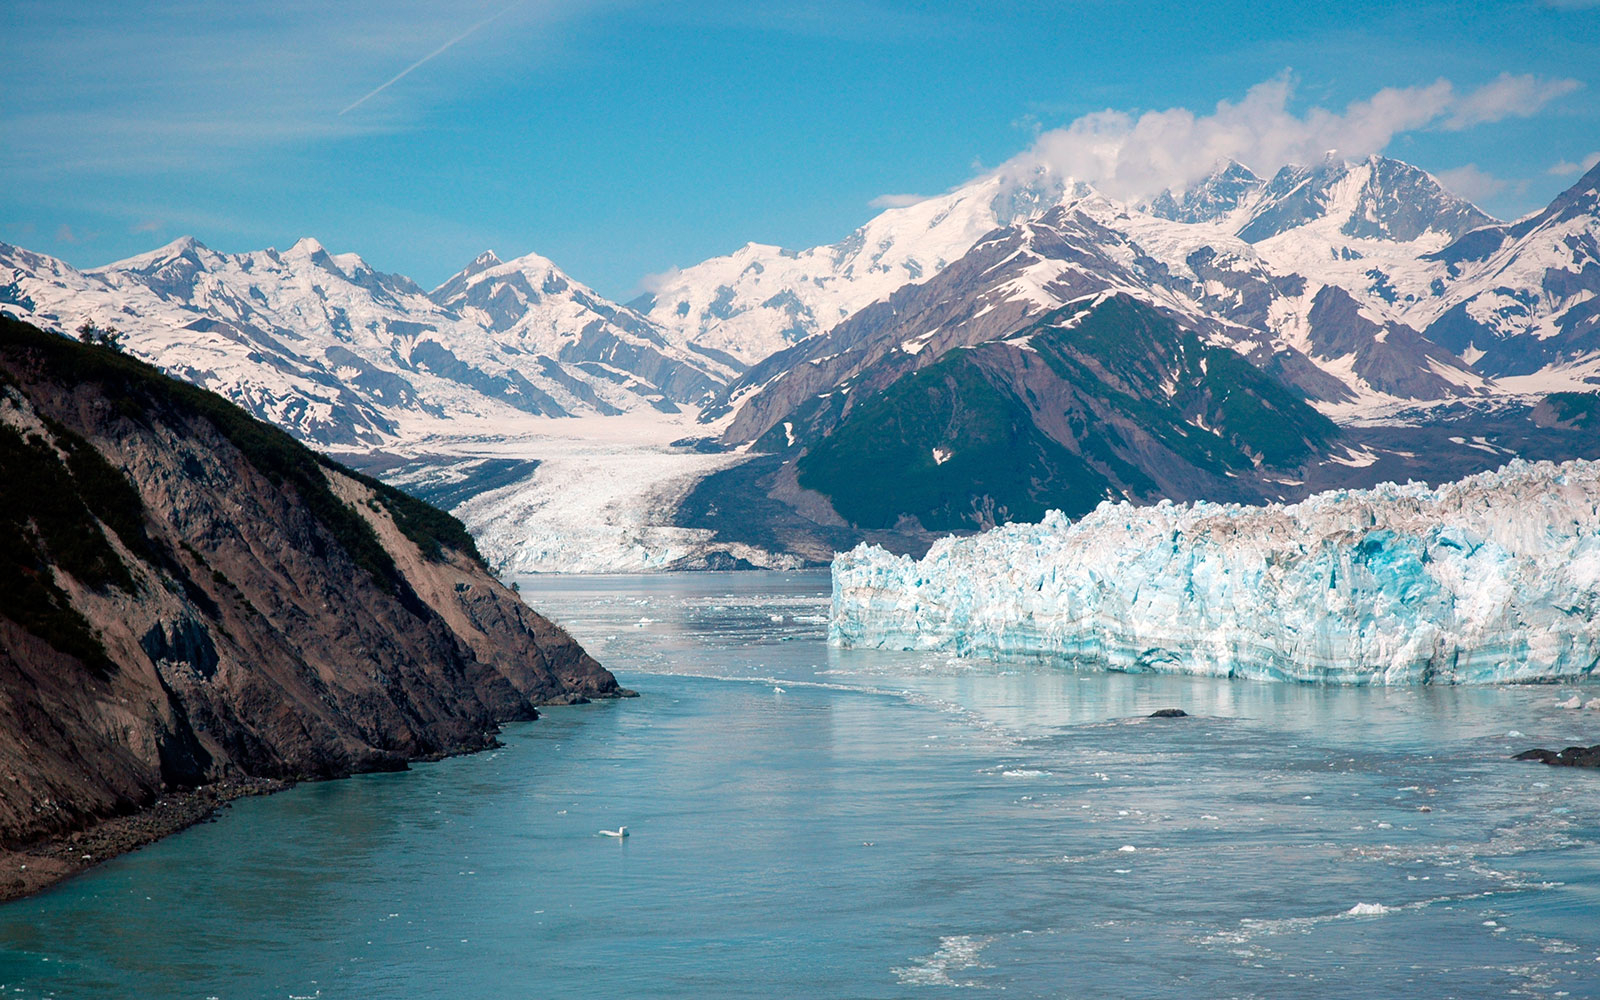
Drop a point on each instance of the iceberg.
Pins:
(1493, 578)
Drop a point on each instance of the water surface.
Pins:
(810, 822)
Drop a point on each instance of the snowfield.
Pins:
(1493, 578)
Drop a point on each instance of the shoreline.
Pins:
(28, 870)
(44, 863)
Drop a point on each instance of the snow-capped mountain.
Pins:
(1364, 288)
(1320, 277)
(1374, 199)
(344, 355)
(1230, 187)
(1338, 347)
(760, 299)
(1524, 299)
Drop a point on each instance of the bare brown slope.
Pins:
(188, 598)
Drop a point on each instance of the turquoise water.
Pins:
(809, 822)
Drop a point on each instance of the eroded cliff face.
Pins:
(188, 596)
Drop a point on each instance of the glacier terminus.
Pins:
(1490, 579)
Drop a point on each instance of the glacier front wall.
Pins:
(1493, 578)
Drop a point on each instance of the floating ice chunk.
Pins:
(1368, 910)
(1576, 701)
(1493, 578)
(1127, 848)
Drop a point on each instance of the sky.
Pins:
(622, 139)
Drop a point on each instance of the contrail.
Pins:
(436, 52)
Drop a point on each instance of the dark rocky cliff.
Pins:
(189, 598)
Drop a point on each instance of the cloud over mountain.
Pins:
(1130, 156)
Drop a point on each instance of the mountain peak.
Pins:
(484, 260)
(530, 262)
(1585, 189)
(307, 246)
(1211, 198)
(1385, 199)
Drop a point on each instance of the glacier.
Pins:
(1495, 578)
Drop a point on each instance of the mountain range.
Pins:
(346, 356)
(1391, 329)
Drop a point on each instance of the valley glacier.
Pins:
(1492, 578)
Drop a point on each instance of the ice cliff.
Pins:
(1493, 578)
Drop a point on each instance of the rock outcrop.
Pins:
(189, 598)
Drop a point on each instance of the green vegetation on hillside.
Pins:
(44, 522)
(984, 436)
(992, 464)
(1580, 409)
(1164, 378)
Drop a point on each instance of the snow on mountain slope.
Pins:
(1377, 198)
(510, 379)
(760, 299)
(343, 355)
(1340, 350)
(533, 304)
(1523, 300)
(1493, 578)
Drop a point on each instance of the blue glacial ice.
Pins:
(1493, 578)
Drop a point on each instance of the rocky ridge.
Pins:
(193, 601)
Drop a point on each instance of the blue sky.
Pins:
(624, 138)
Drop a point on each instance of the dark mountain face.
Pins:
(1391, 357)
(189, 596)
(1086, 404)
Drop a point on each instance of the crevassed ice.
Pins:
(1493, 578)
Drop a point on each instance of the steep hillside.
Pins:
(1524, 299)
(1102, 400)
(190, 597)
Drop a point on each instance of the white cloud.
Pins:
(1566, 168)
(1470, 183)
(1131, 157)
(896, 200)
(653, 283)
(1506, 96)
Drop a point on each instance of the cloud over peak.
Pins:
(1135, 157)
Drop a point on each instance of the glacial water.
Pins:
(810, 822)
